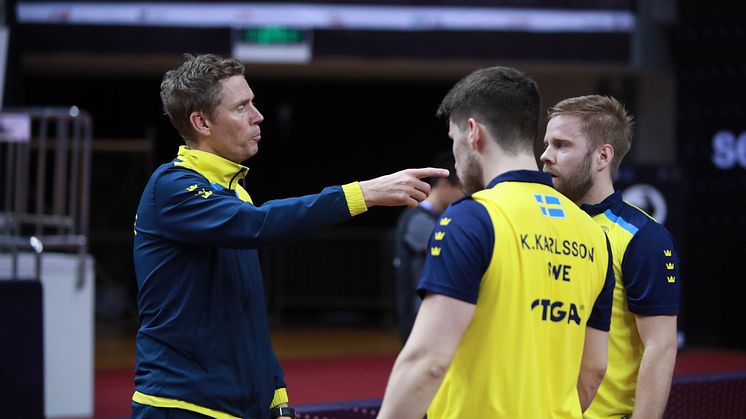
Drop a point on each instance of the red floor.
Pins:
(317, 380)
(323, 380)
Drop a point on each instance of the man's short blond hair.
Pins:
(195, 87)
(603, 120)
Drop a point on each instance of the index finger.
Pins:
(429, 172)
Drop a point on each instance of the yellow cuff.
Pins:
(355, 200)
(281, 396)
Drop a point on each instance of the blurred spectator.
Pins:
(410, 242)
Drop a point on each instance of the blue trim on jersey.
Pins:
(621, 221)
(530, 176)
(459, 253)
(646, 269)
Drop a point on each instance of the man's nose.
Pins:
(545, 156)
(257, 118)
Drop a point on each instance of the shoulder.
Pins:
(636, 216)
(169, 175)
(652, 236)
(651, 240)
(467, 217)
(466, 209)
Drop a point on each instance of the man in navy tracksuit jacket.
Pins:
(203, 346)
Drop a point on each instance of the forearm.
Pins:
(592, 366)
(422, 364)
(411, 388)
(654, 380)
(588, 384)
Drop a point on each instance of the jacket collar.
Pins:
(215, 168)
(533, 176)
(608, 203)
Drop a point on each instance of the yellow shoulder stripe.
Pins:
(355, 199)
(178, 404)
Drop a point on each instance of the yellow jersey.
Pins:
(538, 269)
(646, 268)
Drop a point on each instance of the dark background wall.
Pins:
(711, 86)
(342, 119)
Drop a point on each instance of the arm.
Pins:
(658, 335)
(593, 365)
(595, 348)
(650, 271)
(190, 211)
(422, 364)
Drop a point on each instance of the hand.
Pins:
(400, 188)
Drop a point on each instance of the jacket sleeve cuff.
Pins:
(281, 396)
(354, 196)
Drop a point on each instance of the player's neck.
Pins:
(502, 163)
(600, 190)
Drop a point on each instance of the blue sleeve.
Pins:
(188, 209)
(279, 373)
(460, 250)
(600, 317)
(650, 272)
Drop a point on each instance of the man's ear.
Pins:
(200, 124)
(604, 157)
(476, 135)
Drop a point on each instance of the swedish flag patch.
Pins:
(550, 206)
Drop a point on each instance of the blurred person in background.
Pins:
(203, 345)
(517, 283)
(586, 139)
(413, 229)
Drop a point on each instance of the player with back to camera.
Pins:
(517, 283)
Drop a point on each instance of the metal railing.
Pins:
(346, 269)
(45, 180)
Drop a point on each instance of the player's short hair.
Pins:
(603, 120)
(504, 99)
(195, 87)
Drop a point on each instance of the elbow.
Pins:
(436, 370)
(595, 374)
(428, 364)
(599, 373)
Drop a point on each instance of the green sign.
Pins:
(273, 35)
